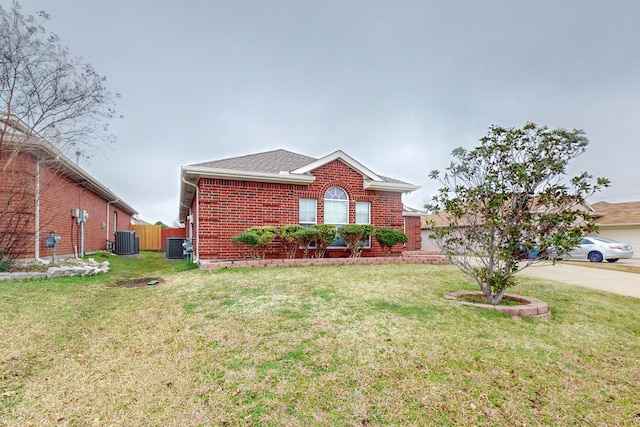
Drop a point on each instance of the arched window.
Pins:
(336, 206)
(336, 209)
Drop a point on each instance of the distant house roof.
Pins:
(17, 134)
(441, 219)
(611, 214)
(278, 166)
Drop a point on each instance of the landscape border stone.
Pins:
(81, 268)
(531, 307)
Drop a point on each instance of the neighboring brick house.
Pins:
(222, 198)
(47, 192)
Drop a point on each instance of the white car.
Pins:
(597, 249)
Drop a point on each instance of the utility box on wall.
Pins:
(126, 243)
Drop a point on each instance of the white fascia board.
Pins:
(359, 167)
(390, 186)
(619, 225)
(416, 214)
(239, 175)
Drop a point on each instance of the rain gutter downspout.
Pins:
(196, 258)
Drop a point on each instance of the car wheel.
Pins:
(595, 257)
(613, 259)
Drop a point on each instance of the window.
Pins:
(363, 213)
(363, 216)
(308, 212)
(336, 211)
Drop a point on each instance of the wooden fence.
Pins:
(150, 236)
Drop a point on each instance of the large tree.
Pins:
(46, 96)
(57, 96)
(509, 203)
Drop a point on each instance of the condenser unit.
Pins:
(127, 243)
(174, 247)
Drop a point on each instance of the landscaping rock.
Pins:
(70, 267)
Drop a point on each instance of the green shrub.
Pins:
(290, 240)
(326, 235)
(387, 238)
(246, 242)
(266, 234)
(355, 236)
(4, 264)
(305, 236)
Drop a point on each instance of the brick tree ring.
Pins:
(531, 307)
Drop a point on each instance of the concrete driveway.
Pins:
(573, 273)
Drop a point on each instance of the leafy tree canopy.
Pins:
(54, 94)
(509, 197)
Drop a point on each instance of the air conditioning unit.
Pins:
(175, 248)
(127, 243)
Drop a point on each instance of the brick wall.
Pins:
(58, 196)
(228, 207)
(412, 230)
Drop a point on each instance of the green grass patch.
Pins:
(336, 345)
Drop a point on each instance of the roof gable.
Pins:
(348, 160)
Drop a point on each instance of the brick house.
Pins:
(43, 191)
(222, 198)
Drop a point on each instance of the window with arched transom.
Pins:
(336, 209)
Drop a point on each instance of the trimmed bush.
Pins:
(326, 235)
(305, 236)
(290, 239)
(257, 238)
(355, 236)
(388, 238)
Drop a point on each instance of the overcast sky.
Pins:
(397, 85)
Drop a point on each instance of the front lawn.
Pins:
(321, 346)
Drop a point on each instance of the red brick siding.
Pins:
(413, 232)
(17, 201)
(229, 207)
(58, 196)
(171, 232)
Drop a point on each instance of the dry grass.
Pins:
(344, 345)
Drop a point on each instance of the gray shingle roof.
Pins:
(270, 162)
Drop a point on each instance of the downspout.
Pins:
(196, 257)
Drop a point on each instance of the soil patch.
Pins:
(479, 299)
(136, 283)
